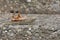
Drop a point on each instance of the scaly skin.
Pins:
(17, 18)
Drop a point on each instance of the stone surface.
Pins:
(35, 6)
(45, 27)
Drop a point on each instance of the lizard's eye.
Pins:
(11, 11)
(17, 11)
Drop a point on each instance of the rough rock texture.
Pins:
(27, 32)
(35, 6)
(45, 27)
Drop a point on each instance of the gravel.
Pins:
(46, 25)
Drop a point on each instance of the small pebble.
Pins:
(9, 30)
(52, 28)
(11, 34)
(28, 0)
(29, 32)
(40, 37)
(26, 35)
(5, 31)
(29, 28)
(27, 38)
(4, 28)
(11, 7)
(5, 5)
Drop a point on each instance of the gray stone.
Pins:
(29, 32)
